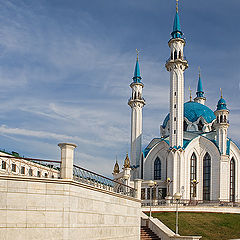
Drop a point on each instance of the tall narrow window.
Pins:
(157, 169)
(175, 55)
(232, 180)
(22, 170)
(13, 167)
(185, 126)
(193, 172)
(4, 165)
(206, 177)
(30, 171)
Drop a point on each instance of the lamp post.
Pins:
(168, 197)
(151, 183)
(177, 197)
(194, 195)
(168, 181)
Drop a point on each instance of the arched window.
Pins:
(206, 177)
(225, 118)
(175, 54)
(185, 126)
(217, 119)
(232, 180)
(193, 172)
(157, 169)
(171, 56)
(200, 125)
(221, 119)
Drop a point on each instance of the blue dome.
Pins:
(221, 104)
(194, 110)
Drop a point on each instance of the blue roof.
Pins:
(194, 110)
(199, 88)
(222, 104)
(177, 33)
(137, 77)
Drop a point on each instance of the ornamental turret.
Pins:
(116, 168)
(221, 125)
(136, 102)
(176, 65)
(200, 94)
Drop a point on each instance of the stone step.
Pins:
(148, 234)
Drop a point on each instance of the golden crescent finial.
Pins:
(221, 92)
(177, 6)
(137, 53)
(199, 71)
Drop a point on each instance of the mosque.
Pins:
(193, 155)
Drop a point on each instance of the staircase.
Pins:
(148, 234)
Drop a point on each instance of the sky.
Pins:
(66, 66)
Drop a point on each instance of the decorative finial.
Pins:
(190, 94)
(221, 92)
(127, 162)
(177, 6)
(116, 167)
(199, 71)
(137, 53)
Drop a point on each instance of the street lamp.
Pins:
(151, 183)
(168, 181)
(194, 193)
(177, 197)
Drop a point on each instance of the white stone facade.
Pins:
(57, 209)
(194, 152)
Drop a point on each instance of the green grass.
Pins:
(211, 226)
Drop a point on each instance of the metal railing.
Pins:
(187, 202)
(30, 167)
(181, 59)
(96, 180)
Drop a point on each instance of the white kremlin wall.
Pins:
(55, 209)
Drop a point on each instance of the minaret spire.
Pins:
(176, 65)
(136, 102)
(200, 93)
(137, 76)
(177, 32)
(222, 124)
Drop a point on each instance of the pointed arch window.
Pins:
(200, 125)
(157, 169)
(206, 177)
(185, 125)
(175, 54)
(193, 172)
(232, 180)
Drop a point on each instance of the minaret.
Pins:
(222, 125)
(136, 102)
(176, 65)
(200, 94)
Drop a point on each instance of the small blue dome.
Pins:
(194, 110)
(221, 104)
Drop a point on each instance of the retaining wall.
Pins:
(56, 209)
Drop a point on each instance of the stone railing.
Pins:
(30, 167)
(64, 169)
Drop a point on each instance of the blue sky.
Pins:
(66, 66)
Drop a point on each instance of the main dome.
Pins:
(194, 110)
